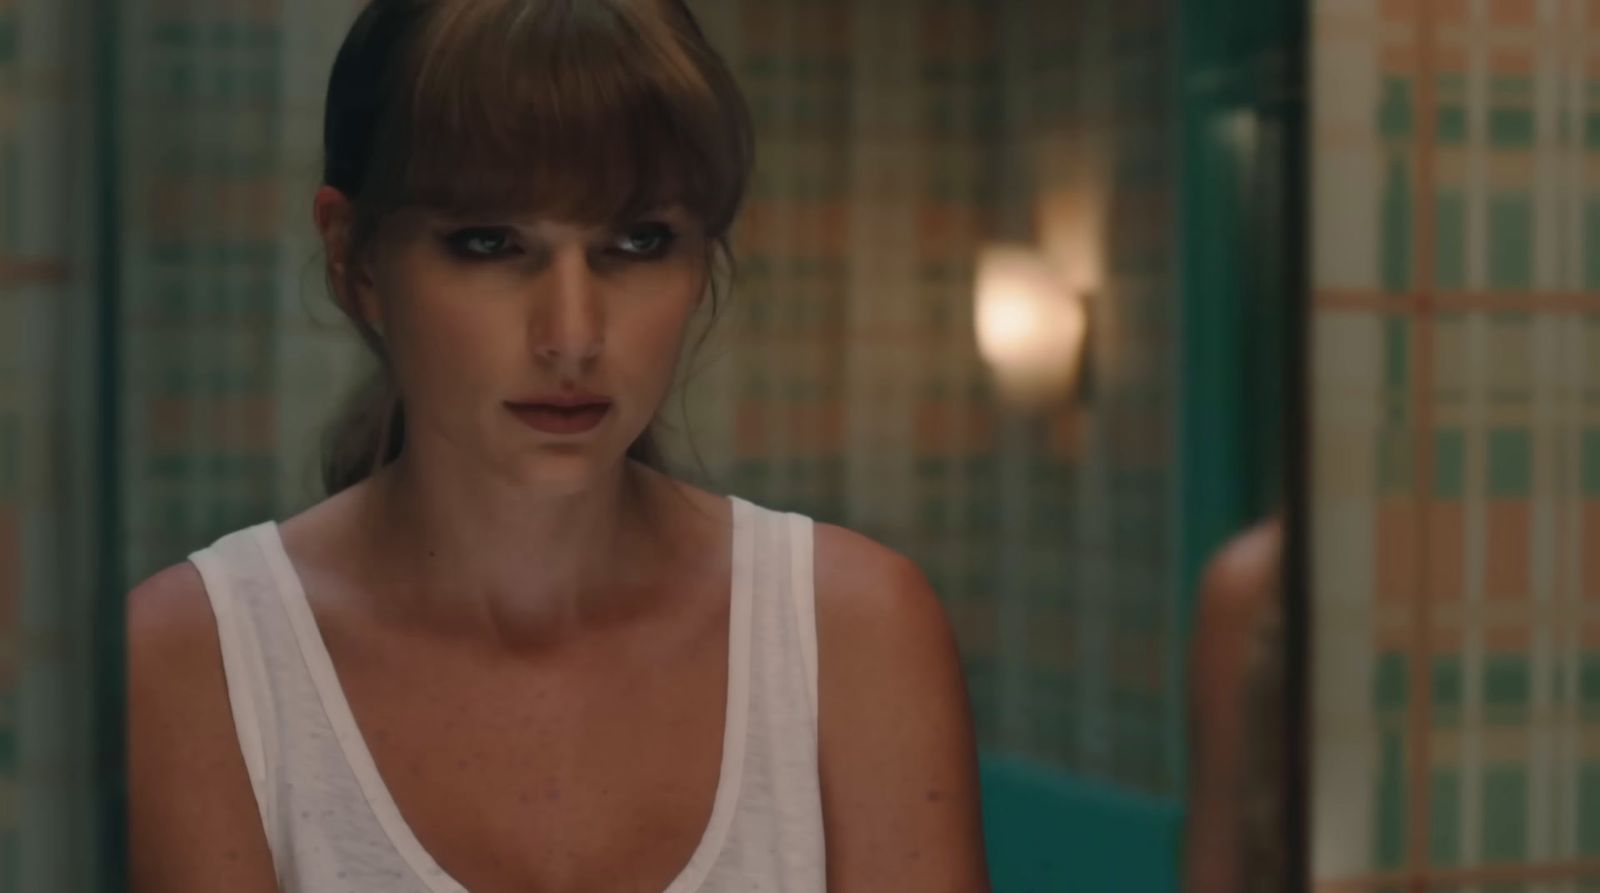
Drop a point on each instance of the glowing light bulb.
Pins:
(1030, 328)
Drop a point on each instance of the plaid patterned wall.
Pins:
(895, 136)
(843, 380)
(47, 417)
(1457, 475)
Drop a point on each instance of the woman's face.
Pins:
(536, 348)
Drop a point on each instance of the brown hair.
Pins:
(592, 111)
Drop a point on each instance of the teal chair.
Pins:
(1048, 831)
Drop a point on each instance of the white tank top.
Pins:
(331, 823)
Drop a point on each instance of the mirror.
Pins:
(172, 359)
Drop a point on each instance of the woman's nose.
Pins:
(569, 316)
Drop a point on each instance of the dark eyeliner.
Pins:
(457, 242)
(665, 234)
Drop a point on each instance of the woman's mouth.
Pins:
(564, 416)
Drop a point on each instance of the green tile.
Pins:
(1589, 810)
(1510, 463)
(1511, 88)
(11, 170)
(1505, 814)
(8, 37)
(1452, 124)
(1506, 682)
(1396, 355)
(1511, 242)
(1589, 682)
(1449, 464)
(1395, 233)
(1395, 108)
(1591, 245)
(1590, 451)
(1450, 262)
(1444, 818)
(1591, 131)
(1389, 826)
(10, 457)
(1389, 687)
(1511, 127)
(1447, 682)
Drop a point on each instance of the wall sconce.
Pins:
(1031, 327)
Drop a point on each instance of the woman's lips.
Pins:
(561, 417)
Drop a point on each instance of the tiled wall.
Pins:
(843, 378)
(49, 791)
(1456, 178)
(895, 136)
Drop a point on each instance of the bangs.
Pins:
(581, 110)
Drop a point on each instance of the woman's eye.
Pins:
(647, 240)
(480, 242)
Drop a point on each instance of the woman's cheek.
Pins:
(460, 339)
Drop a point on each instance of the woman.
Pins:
(1234, 840)
(509, 653)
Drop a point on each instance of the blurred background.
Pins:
(1344, 249)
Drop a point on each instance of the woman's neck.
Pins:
(521, 565)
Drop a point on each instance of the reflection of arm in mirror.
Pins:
(1236, 675)
(899, 766)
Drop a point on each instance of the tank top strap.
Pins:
(252, 630)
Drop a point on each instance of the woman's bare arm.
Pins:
(193, 824)
(899, 765)
(1238, 603)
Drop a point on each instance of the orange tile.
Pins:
(957, 31)
(240, 208)
(1449, 12)
(1514, 638)
(947, 230)
(1395, 638)
(826, 28)
(941, 430)
(1395, 533)
(815, 428)
(1399, 60)
(1447, 560)
(1446, 638)
(822, 226)
(1398, 11)
(10, 575)
(1511, 13)
(1514, 62)
(231, 423)
(1450, 59)
(1066, 434)
(1507, 548)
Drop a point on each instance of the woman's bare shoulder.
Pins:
(898, 759)
(193, 821)
(169, 619)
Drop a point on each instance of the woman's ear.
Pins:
(334, 216)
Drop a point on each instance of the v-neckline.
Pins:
(359, 757)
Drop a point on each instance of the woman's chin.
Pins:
(567, 469)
